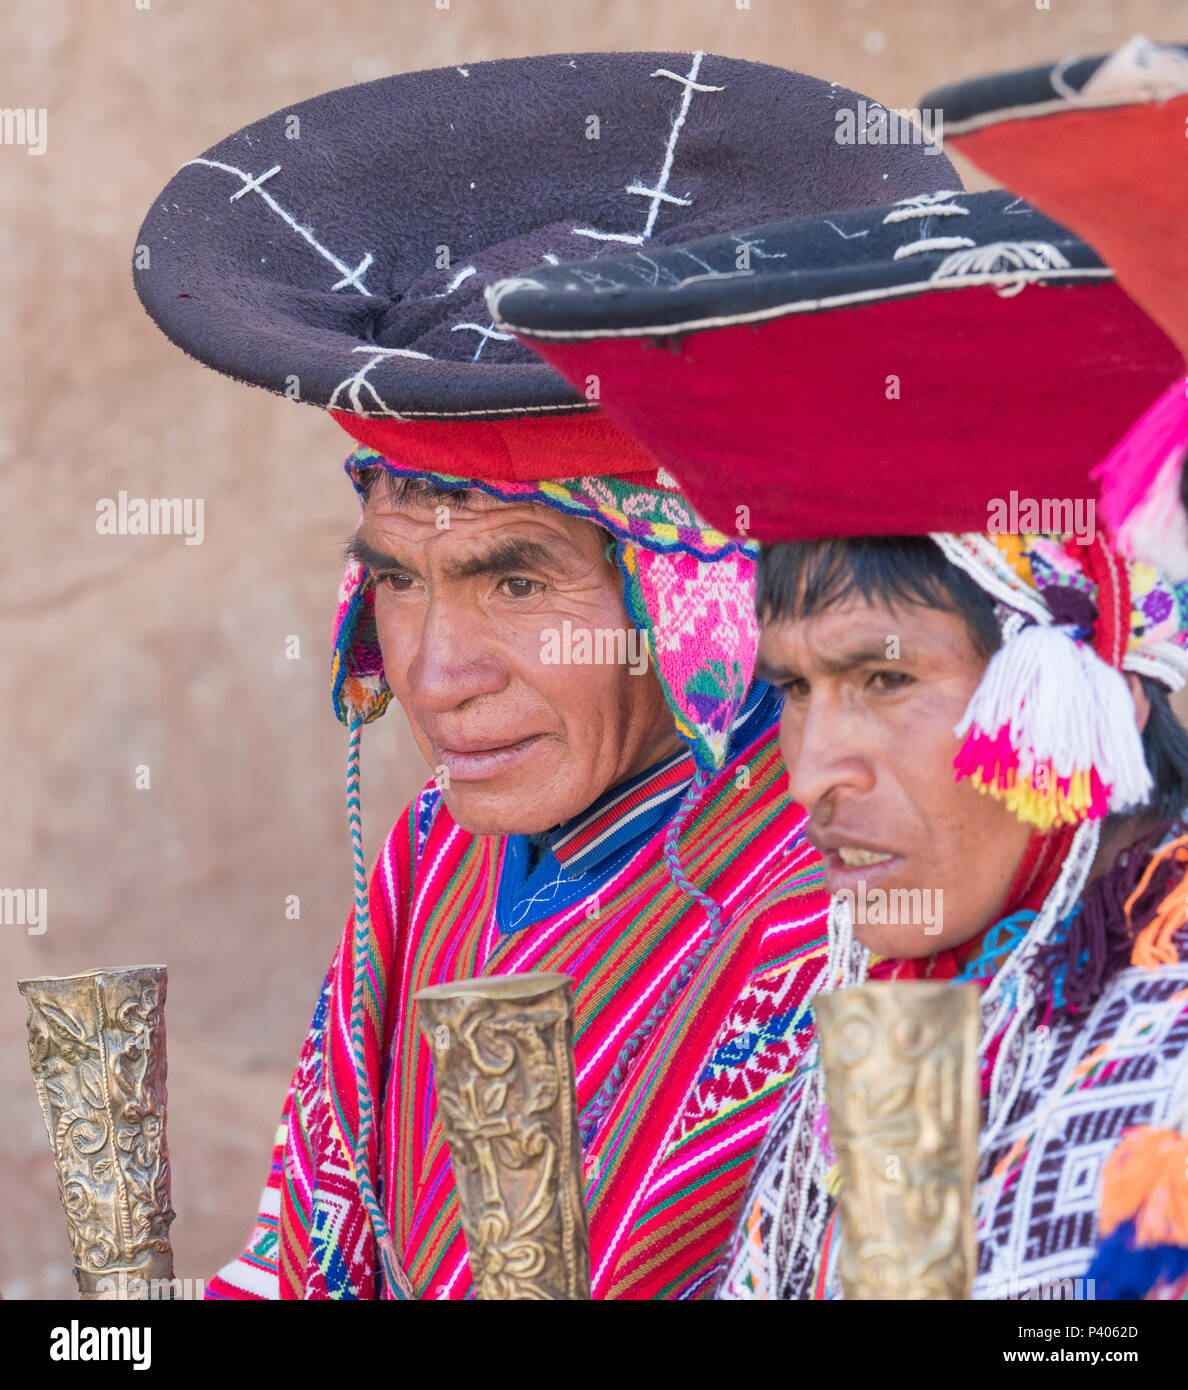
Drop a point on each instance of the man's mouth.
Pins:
(848, 865)
(473, 762)
(854, 856)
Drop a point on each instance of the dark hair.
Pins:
(402, 489)
(405, 489)
(1165, 744)
(799, 579)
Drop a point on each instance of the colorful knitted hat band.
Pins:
(1050, 730)
(688, 587)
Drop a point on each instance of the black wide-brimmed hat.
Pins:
(337, 251)
(895, 370)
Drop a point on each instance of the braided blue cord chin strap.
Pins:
(595, 1111)
(391, 1272)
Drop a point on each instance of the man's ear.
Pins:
(1142, 706)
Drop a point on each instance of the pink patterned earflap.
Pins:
(358, 685)
(699, 616)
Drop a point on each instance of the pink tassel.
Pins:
(1140, 486)
(1050, 732)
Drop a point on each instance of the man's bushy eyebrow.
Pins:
(505, 556)
(772, 672)
(358, 550)
(865, 652)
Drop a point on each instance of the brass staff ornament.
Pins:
(97, 1048)
(504, 1072)
(901, 1081)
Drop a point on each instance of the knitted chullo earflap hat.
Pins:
(337, 253)
(686, 587)
(1099, 143)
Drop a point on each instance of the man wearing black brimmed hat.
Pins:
(570, 643)
(905, 404)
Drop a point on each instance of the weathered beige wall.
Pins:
(120, 651)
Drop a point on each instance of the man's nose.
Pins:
(454, 660)
(824, 752)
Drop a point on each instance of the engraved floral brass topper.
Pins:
(503, 1066)
(97, 1048)
(901, 1079)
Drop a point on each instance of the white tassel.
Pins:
(1049, 708)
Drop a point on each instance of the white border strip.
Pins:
(1039, 108)
(804, 306)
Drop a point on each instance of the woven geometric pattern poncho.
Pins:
(667, 1166)
(1099, 1074)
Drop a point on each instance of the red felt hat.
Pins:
(899, 370)
(1100, 144)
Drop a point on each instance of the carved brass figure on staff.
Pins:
(97, 1049)
(504, 1072)
(901, 1078)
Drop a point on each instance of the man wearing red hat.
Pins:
(571, 644)
(977, 722)
(1038, 668)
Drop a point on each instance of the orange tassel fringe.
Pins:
(1153, 946)
(1146, 1177)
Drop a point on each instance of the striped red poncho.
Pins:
(670, 1160)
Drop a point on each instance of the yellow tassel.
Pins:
(1043, 806)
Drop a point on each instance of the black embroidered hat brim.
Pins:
(870, 372)
(803, 265)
